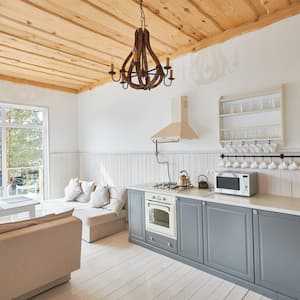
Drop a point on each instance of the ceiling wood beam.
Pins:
(27, 66)
(91, 17)
(38, 84)
(44, 6)
(35, 59)
(38, 75)
(253, 7)
(274, 5)
(38, 19)
(258, 6)
(33, 48)
(207, 16)
(129, 10)
(22, 31)
(228, 13)
(185, 14)
(263, 21)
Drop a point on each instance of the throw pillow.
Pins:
(72, 190)
(118, 199)
(100, 197)
(86, 189)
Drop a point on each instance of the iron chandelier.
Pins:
(135, 70)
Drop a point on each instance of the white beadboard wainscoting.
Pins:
(63, 166)
(135, 168)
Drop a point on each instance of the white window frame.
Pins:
(44, 128)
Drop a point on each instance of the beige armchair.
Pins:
(38, 257)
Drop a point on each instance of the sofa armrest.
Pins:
(34, 256)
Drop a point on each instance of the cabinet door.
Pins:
(136, 215)
(277, 252)
(190, 236)
(228, 239)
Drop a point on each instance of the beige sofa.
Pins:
(96, 222)
(38, 257)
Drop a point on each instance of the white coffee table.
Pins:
(17, 204)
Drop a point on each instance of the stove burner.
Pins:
(171, 186)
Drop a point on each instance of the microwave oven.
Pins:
(236, 183)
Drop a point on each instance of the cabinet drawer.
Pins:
(161, 241)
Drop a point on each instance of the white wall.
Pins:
(63, 142)
(112, 120)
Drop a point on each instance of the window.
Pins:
(23, 151)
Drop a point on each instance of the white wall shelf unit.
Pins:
(254, 117)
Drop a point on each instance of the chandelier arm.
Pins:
(170, 81)
(158, 82)
(139, 48)
(116, 80)
(123, 70)
(129, 77)
(145, 66)
(159, 71)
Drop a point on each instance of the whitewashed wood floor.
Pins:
(113, 268)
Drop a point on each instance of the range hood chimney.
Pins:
(179, 128)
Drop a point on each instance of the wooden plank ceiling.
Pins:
(68, 45)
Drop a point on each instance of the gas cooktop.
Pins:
(171, 186)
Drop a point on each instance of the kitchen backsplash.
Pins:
(135, 168)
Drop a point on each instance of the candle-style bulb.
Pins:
(168, 62)
(171, 74)
(112, 67)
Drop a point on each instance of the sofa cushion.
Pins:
(72, 190)
(118, 199)
(94, 216)
(11, 226)
(100, 196)
(86, 189)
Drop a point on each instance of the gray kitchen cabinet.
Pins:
(277, 252)
(228, 239)
(161, 241)
(136, 215)
(190, 231)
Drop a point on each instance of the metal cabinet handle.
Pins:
(255, 212)
(151, 238)
(169, 244)
(203, 203)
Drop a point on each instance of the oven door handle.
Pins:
(166, 208)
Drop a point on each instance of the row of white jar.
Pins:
(263, 164)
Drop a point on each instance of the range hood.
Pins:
(179, 128)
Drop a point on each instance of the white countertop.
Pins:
(267, 202)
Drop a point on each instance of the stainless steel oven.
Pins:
(160, 211)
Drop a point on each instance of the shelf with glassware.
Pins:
(237, 116)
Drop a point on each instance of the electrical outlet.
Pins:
(210, 172)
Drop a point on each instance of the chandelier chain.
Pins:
(143, 21)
